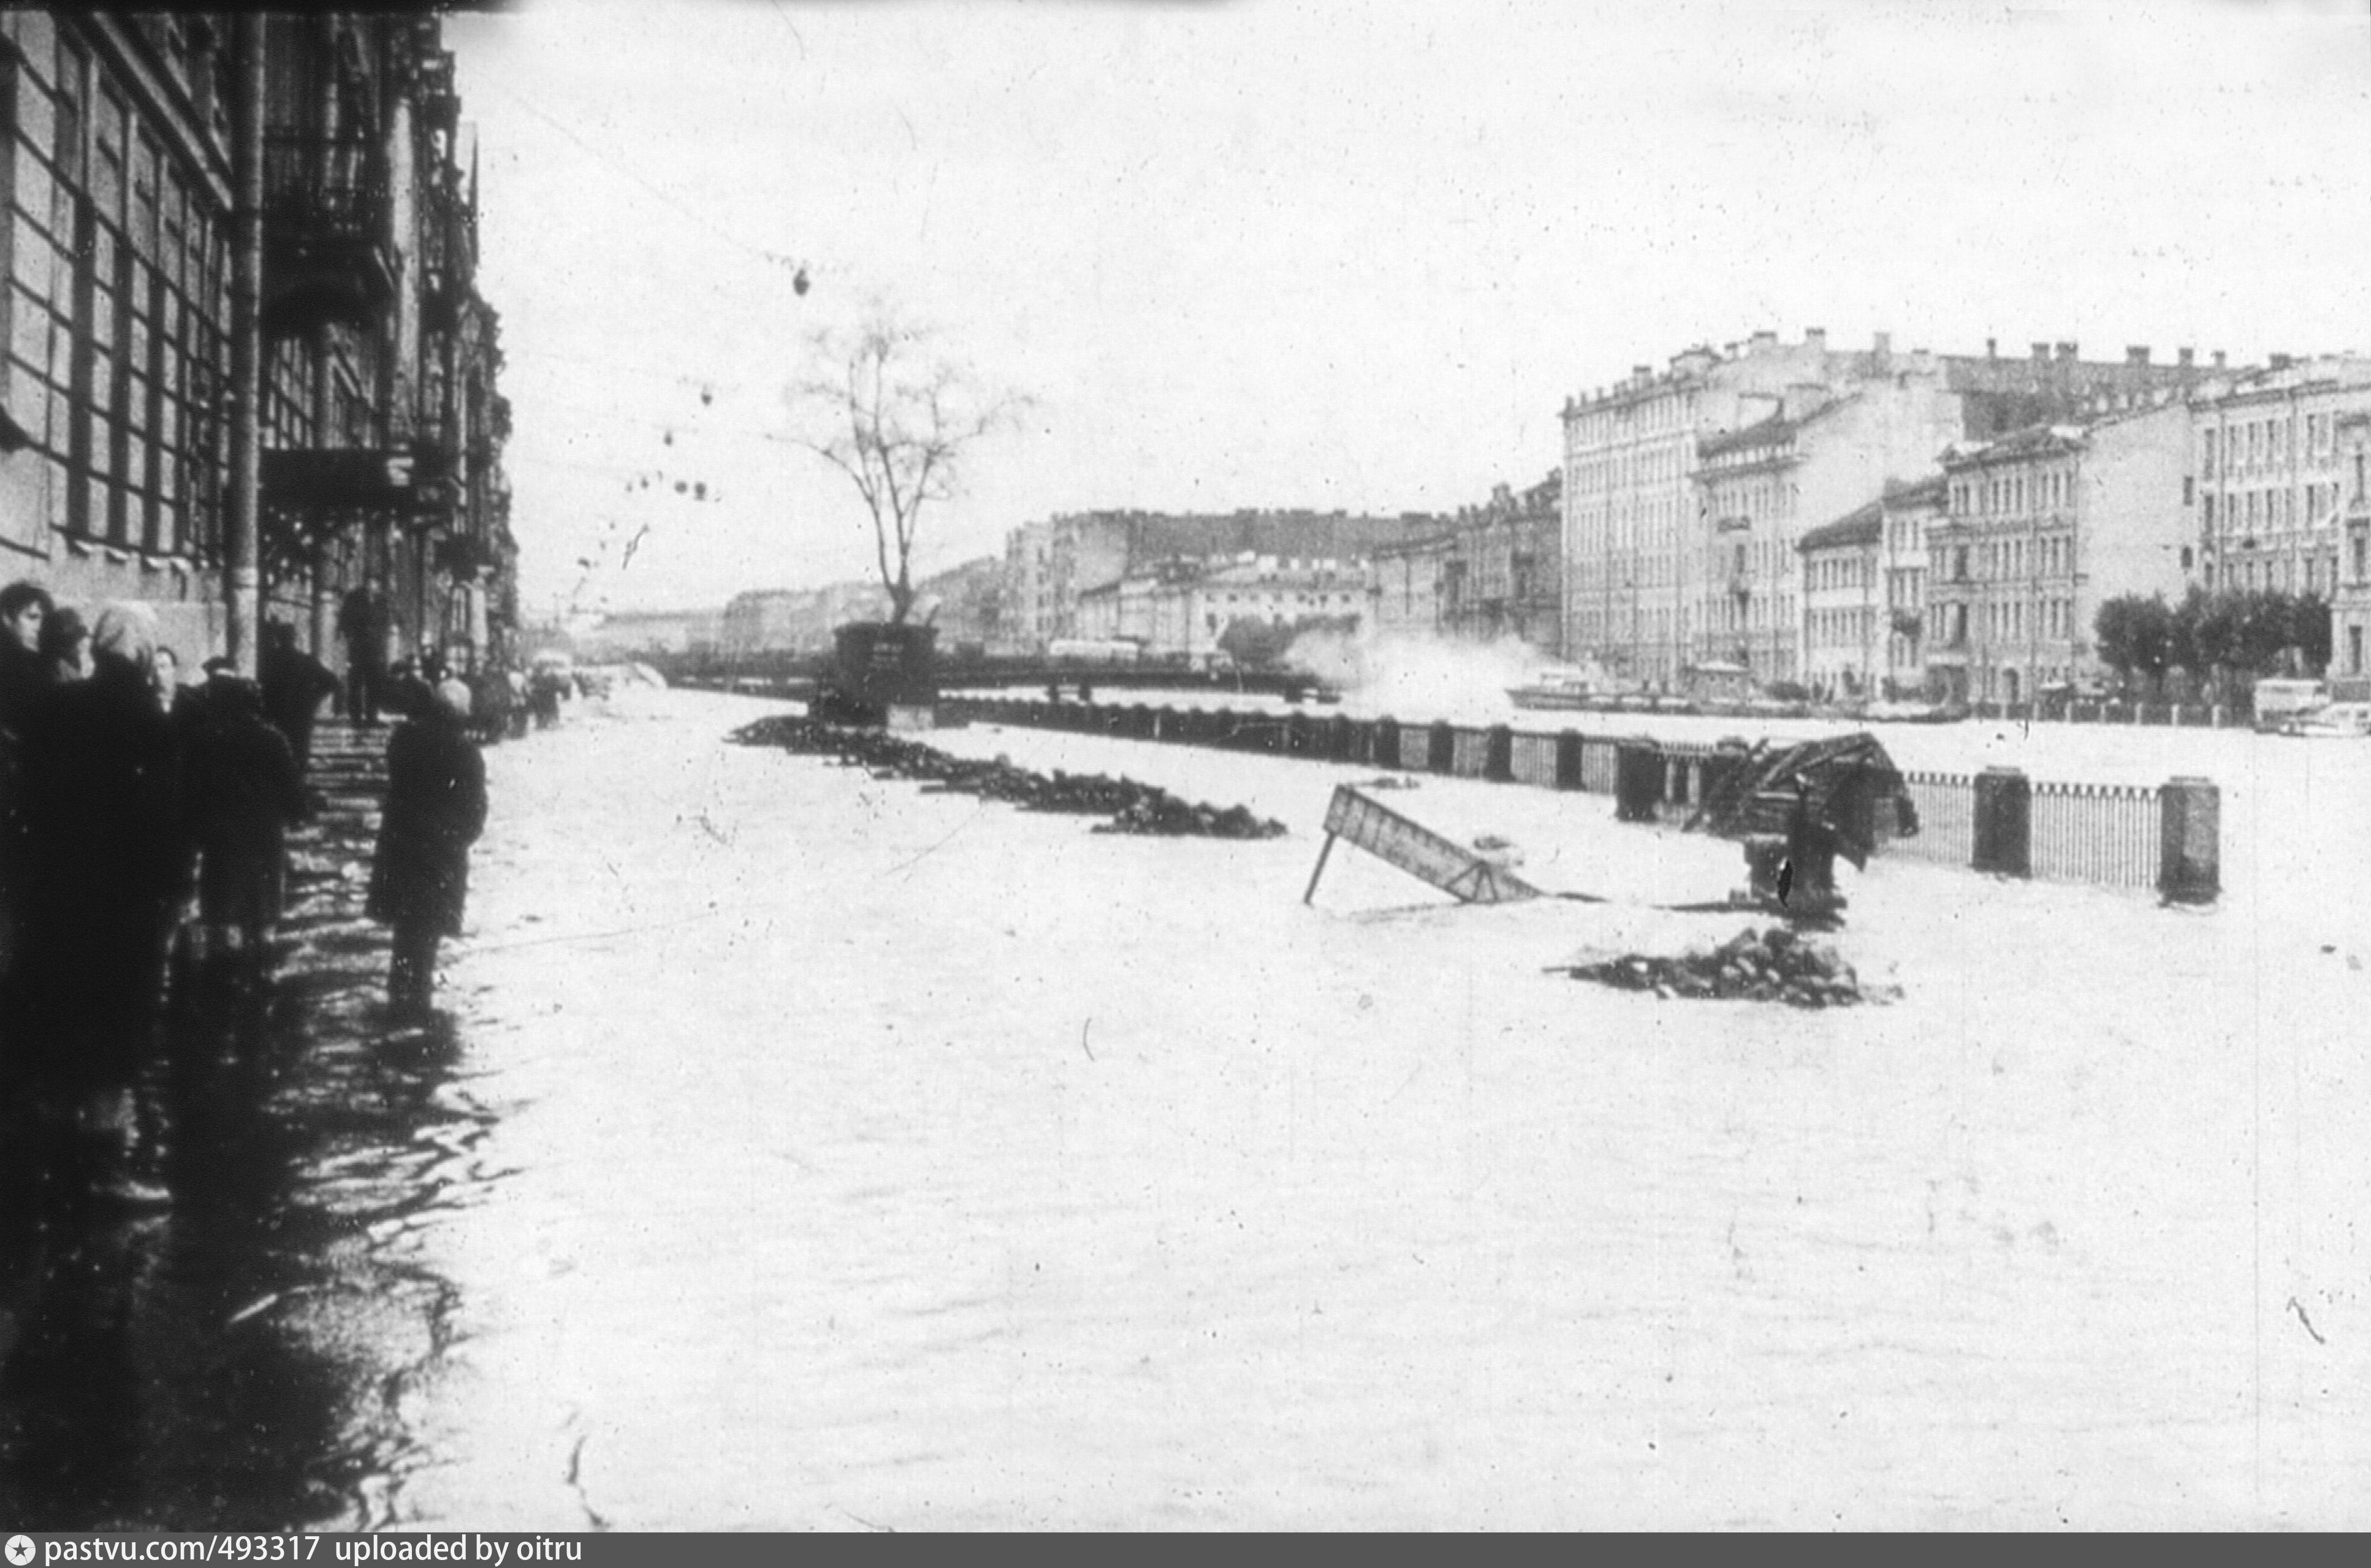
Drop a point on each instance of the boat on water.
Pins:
(1587, 689)
(1913, 713)
(1560, 688)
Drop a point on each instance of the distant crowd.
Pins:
(145, 817)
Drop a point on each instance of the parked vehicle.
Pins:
(2331, 720)
(2280, 700)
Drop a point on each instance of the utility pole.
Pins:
(243, 522)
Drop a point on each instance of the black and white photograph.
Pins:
(982, 765)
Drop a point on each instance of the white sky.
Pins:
(1335, 255)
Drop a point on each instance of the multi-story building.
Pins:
(627, 633)
(796, 621)
(118, 313)
(1844, 601)
(1410, 587)
(1505, 578)
(1490, 571)
(2350, 605)
(1180, 609)
(2042, 527)
(1049, 564)
(1814, 454)
(967, 605)
(1644, 563)
(2270, 485)
(379, 416)
(1909, 512)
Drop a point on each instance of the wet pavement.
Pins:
(243, 1357)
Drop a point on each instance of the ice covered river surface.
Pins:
(864, 1157)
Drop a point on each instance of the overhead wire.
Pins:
(760, 253)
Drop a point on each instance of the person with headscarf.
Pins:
(243, 792)
(105, 866)
(434, 809)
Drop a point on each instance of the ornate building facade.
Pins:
(380, 423)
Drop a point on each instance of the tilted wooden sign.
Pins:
(1417, 851)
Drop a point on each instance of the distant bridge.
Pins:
(798, 678)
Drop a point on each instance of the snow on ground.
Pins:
(885, 1157)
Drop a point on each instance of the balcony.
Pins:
(326, 257)
(448, 255)
(394, 484)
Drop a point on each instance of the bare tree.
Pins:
(889, 408)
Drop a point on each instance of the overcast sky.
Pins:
(1334, 255)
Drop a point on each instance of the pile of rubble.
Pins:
(1158, 811)
(1775, 967)
(1134, 808)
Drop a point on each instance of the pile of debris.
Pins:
(1775, 967)
(1160, 813)
(1133, 807)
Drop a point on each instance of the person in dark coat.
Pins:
(242, 794)
(434, 810)
(66, 648)
(105, 868)
(24, 606)
(294, 684)
(362, 623)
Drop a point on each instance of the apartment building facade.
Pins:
(1910, 514)
(2043, 526)
(2270, 479)
(1049, 564)
(1844, 603)
(1649, 545)
(379, 417)
(2350, 605)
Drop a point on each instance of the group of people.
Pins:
(143, 826)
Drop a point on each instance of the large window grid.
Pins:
(115, 302)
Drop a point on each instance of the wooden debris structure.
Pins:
(1473, 876)
(1798, 808)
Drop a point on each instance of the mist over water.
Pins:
(1419, 676)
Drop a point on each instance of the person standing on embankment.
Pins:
(436, 809)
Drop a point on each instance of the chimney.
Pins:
(1882, 347)
(2042, 354)
(2066, 350)
(1641, 372)
(2277, 362)
(2218, 359)
(2186, 356)
(1816, 340)
(1764, 341)
(2138, 354)
(1992, 348)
